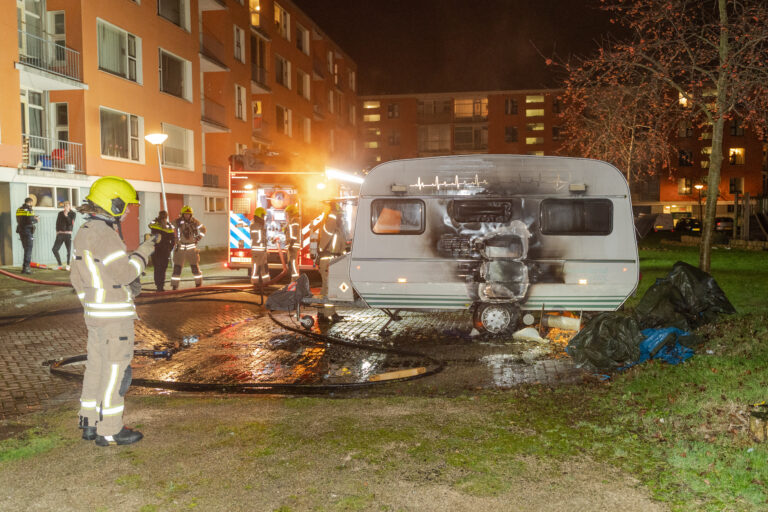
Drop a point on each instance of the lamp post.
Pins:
(157, 139)
(698, 188)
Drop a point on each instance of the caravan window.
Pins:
(473, 210)
(397, 216)
(576, 216)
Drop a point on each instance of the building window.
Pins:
(60, 121)
(535, 127)
(510, 106)
(255, 6)
(685, 129)
(175, 75)
(684, 158)
(557, 133)
(239, 44)
(44, 196)
(736, 156)
(57, 32)
(332, 102)
(371, 118)
(368, 105)
(177, 149)
(120, 134)
(372, 132)
(394, 138)
(737, 128)
(306, 130)
(706, 152)
(371, 144)
(534, 98)
(175, 11)
(282, 71)
(352, 80)
(284, 120)
(335, 73)
(684, 186)
(510, 134)
(576, 217)
(282, 22)
(240, 149)
(470, 108)
(434, 138)
(397, 216)
(119, 52)
(470, 137)
(240, 102)
(353, 115)
(302, 39)
(302, 84)
(534, 112)
(393, 110)
(557, 107)
(736, 185)
(535, 153)
(215, 204)
(534, 140)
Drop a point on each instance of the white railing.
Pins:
(49, 56)
(52, 155)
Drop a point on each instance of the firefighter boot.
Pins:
(197, 275)
(89, 432)
(125, 436)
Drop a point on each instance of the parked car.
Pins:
(664, 222)
(723, 224)
(688, 225)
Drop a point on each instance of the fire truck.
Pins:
(255, 182)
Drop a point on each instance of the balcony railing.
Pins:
(47, 154)
(435, 117)
(214, 112)
(50, 56)
(213, 48)
(259, 75)
(214, 176)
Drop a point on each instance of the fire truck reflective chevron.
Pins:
(239, 230)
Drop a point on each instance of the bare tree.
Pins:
(709, 57)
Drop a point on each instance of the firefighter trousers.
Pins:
(293, 264)
(322, 265)
(259, 267)
(182, 256)
(107, 375)
(160, 263)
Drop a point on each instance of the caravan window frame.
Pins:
(396, 201)
(546, 202)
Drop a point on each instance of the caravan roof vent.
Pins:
(577, 188)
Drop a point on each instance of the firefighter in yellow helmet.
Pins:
(331, 243)
(293, 239)
(260, 270)
(106, 278)
(189, 231)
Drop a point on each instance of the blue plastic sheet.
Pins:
(663, 344)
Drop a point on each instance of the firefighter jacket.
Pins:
(292, 233)
(258, 235)
(188, 233)
(25, 220)
(331, 240)
(167, 236)
(65, 222)
(102, 271)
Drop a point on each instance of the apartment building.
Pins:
(86, 81)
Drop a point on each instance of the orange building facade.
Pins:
(86, 81)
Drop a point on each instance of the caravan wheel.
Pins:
(496, 318)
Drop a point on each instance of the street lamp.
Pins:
(698, 188)
(157, 139)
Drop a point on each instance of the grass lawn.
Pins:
(653, 438)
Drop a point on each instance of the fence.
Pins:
(52, 155)
(48, 55)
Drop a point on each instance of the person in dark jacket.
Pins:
(164, 229)
(65, 222)
(25, 227)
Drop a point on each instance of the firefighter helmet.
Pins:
(259, 212)
(112, 194)
(187, 209)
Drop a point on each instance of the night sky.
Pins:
(404, 46)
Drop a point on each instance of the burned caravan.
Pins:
(497, 234)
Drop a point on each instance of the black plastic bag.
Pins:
(289, 297)
(610, 340)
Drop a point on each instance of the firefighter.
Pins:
(293, 239)
(189, 231)
(163, 229)
(260, 272)
(25, 227)
(106, 278)
(330, 245)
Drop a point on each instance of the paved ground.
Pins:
(238, 343)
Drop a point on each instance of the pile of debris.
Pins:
(660, 326)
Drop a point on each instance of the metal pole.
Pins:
(162, 183)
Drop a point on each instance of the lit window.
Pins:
(371, 104)
(371, 144)
(736, 156)
(535, 127)
(534, 98)
(535, 153)
(371, 118)
(255, 12)
(534, 140)
(283, 22)
(470, 108)
(684, 186)
(534, 112)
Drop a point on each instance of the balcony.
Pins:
(434, 117)
(213, 54)
(317, 69)
(259, 80)
(47, 65)
(44, 154)
(260, 132)
(214, 117)
(214, 176)
(212, 5)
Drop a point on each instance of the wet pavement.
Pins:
(235, 342)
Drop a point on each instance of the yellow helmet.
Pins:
(187, 209)
(259, 212)
(112, 194)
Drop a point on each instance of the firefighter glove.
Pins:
(135, 287)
